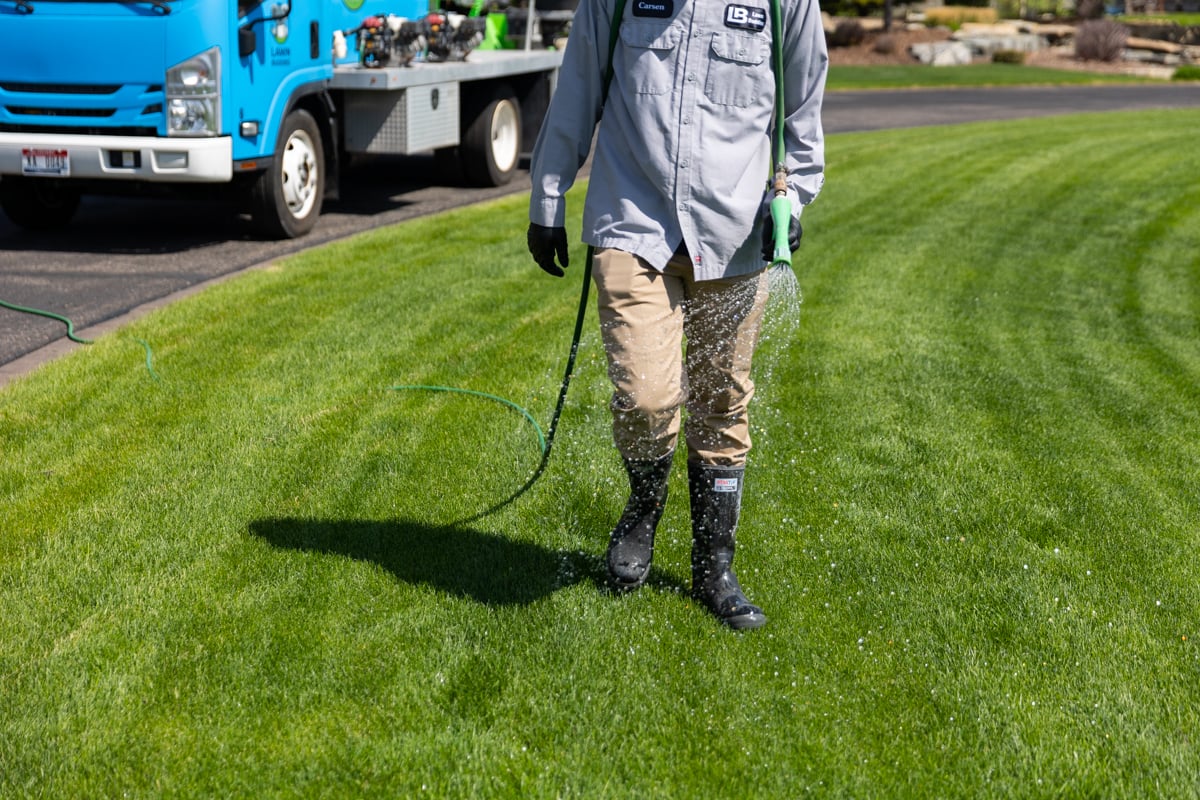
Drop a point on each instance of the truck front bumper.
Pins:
(134, 158)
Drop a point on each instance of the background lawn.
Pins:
(922, 76)
(971, 513)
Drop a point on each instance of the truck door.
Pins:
(283, 52)
(285, 140)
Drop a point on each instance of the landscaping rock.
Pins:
(1054, 33)
(1151, 57)
(1180, 34)
(985, 45)
(1154, 45)
(942, 54)
(989, 29)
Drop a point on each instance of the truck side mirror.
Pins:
(247, 41)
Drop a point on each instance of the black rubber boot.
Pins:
(631, 544)
(716, 497)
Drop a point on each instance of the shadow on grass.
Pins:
(458, 561)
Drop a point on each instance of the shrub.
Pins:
(847, 33)
(1188, 72)
(1008, 57)
(1100, 40)
(954, 16)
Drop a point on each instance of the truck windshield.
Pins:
(27, 6)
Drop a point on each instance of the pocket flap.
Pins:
(654, 37)
(740, 47)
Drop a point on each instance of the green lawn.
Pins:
(971, 513)
(922, 76)
(1178, 18)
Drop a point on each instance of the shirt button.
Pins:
(683, 164)
(691, 78)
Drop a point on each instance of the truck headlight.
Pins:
(194, 96)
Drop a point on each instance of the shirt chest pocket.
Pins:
(648, 56)
(737, 66)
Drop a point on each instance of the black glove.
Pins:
(768, 242)
(545, 243)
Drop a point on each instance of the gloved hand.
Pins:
(545, 243)
(795, 231)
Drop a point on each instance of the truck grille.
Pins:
(30, 111)
(85, 130)
(72, 108)
(60, 88)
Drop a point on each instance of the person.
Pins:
(676, 210)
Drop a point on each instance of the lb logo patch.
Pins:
(725, 484)
(653, 8)
(746, 18)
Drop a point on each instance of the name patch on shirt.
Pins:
(746, 18)
(653, 8)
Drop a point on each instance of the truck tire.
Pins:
(38, 204)
(491, 143)
(286, 197)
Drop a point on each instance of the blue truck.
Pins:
(261, 102)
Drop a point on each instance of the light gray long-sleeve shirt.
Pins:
(684, 148)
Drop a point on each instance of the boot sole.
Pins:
(622, 586)
(745, 622)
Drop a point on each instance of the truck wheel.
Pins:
(38, 204)
(286, 197)
(491, 143)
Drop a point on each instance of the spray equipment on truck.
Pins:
(376, 39)
(435, 37)
(452, 36)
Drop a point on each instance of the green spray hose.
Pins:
(781, 206)
(71, 331)
(472, 393)
(50, 315)
(546, 441)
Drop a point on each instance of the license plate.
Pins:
(45, 161)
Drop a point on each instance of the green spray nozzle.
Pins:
(781, 219)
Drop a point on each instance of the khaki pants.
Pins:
(644, 317)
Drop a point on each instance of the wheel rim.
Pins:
(505, 134)
(299, 174)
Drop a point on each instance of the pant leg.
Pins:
(641, 324)
(721, 323)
